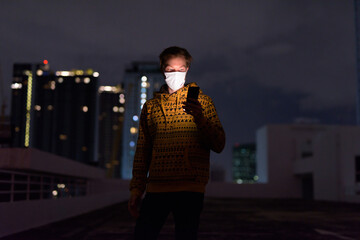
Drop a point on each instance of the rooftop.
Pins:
(222, 218)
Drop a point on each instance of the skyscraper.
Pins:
(55, 112)
(75, 113)
(244, 163)
(22, 102)
(141, 80)
(111, 118)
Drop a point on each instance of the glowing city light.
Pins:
(16, 86)
(45, 61)
(39, 72)
(133, 130)
(28, 109)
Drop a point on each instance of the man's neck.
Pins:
(172, 91)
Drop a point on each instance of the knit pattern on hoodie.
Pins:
(172, 151)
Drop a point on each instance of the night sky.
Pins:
(262, 61)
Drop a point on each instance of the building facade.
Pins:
(111, 119)
(244, 163)
(141, 80)
(310, 161)
(55, 111)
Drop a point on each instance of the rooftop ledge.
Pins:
(32, 159)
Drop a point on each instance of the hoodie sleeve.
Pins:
(211, 128)
(142, 156)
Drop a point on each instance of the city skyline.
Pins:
(271, 61)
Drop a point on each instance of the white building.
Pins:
(320, 162)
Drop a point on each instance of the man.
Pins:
(172, 154)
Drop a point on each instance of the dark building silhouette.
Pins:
(111, 118)
(21, 106)
(55, 111)
(244, 163)
(357, 29)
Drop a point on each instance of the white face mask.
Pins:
(175, 80)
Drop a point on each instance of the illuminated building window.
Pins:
(96, 74)
(84, 149)
(115, 108)
(86, 80)
(60, 80)
(79, 72)
(115, 127)
(77, 80)
(17, 129)
(50, 107)
(144, 78)
(143, 84)
(64, 73)
(132, 144)
(121, 109)
(143, 95)
(62, 136)
(52, 85)
(143, 90)
(122, 100)
(143, 101)
(39, 72)
(16, 86)
(37, 107)
(135, 118)
(85, 108)
(133, 130)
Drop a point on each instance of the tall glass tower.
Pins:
(141, 80)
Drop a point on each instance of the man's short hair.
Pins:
(172, 52)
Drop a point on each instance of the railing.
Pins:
(24, 186)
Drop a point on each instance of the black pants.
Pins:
(155, 208)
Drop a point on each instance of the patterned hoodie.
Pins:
(173, 152)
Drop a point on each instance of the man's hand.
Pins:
(193, 107)
(133, 205)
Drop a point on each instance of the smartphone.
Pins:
(193, 93)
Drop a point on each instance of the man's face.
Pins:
(176, 64)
